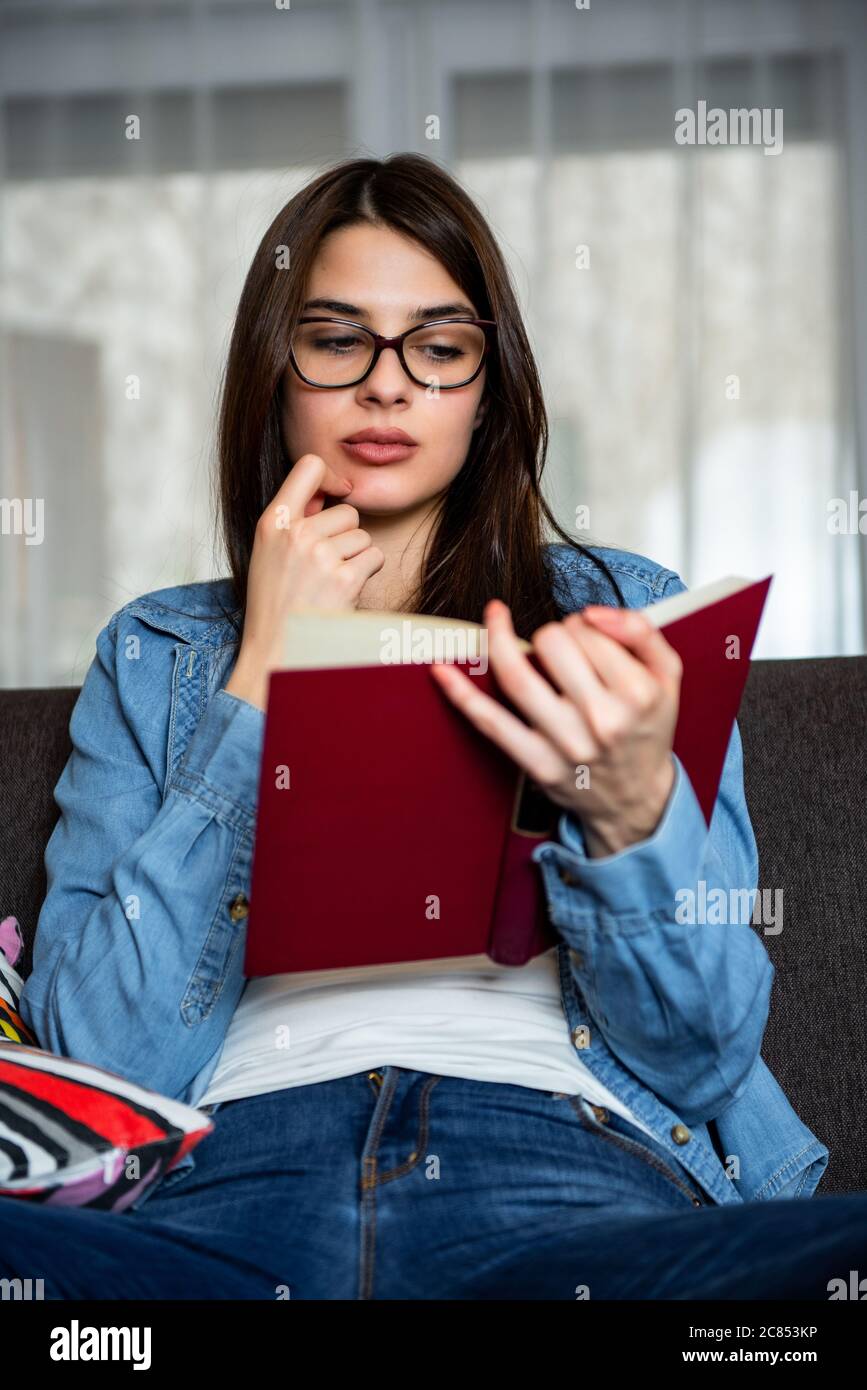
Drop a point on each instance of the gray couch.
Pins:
(805, 750)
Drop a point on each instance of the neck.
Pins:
(402, 539)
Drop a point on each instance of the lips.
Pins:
(380, 446)
(373, 436)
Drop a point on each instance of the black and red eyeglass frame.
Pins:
(380, 342)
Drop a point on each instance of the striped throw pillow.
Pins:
(73, 1134)
(12, 1025)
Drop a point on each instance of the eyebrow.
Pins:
(424, 311)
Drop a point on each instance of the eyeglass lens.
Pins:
(335, 354)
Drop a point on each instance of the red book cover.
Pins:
(390, 830)
(714, 642)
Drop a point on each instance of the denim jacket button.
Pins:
(239, 908)
(576, 958)
(569, 878)
(680, 1134)
(600, 1113)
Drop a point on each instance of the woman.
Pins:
(460, 1134)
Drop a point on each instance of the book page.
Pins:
(669, 610)
(324, 638)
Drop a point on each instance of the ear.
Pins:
(481, 412)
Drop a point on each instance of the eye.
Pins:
(337, 343)
(328, 340)
(445, 343)
(457, 345)
(442, 352)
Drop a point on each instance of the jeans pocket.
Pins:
(178, 1174)
(420, 1145)
(166, 1183)
(590, 1117)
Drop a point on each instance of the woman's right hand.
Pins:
(305, 555)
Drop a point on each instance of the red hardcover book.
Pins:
(389, 830)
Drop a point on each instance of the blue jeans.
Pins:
(401, 1184)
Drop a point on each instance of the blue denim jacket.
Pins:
(138, 961)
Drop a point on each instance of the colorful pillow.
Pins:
(73, 1134)
(12, 1025)
(11, 940)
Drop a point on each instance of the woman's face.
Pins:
(379, 278)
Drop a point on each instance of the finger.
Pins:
(566, 654)
(305, 487)
(333, 520)
(622, 675)
(528, 748)
(333, 488)
(557, 718)
(633, 630)
(362, 566)
(565, 659)
(348, 544)
(321, 501)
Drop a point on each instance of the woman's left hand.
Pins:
(599, 740)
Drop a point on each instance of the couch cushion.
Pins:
(805, 773)
(34, 747)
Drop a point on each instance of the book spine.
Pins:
(520, 926)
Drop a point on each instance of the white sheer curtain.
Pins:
(153, 272)
(121, 263)
(691, 311)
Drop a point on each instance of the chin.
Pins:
(380, 496)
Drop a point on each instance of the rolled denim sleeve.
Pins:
(662, 949)
(644, 875)
(137, 956)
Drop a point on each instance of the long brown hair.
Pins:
(488, 540)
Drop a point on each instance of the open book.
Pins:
(391, 831)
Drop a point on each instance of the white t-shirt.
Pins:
(498, 1023)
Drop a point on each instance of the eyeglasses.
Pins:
(445, 353)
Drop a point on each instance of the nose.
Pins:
(388, 381)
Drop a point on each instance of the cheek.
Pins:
(309, 417)
(449, 420)
(447, 431)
